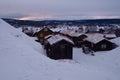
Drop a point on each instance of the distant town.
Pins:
(107, 26)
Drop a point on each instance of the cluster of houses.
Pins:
(59, 45)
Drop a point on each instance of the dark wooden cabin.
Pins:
(98, 43)
(42, 33)
(103, 45)
(59, 47)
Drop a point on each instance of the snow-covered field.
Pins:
(21, 58)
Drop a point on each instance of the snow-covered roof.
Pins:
(58, 38)
(71, 33)
(94, 37)
(110, 35)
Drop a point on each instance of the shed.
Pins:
(59, 47)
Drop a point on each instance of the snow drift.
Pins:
(21, 58)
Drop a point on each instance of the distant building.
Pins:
(28, 31)
(91, 29)
(42, 33)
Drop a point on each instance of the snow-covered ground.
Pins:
(21, 58)
(105, 64)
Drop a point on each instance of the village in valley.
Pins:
(64, 52)
(60, 41)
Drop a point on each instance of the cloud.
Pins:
(59, 9)
(13, 15)
(65, 17)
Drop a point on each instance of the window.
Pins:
(103, 46)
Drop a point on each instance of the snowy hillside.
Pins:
(21, 58)
(117, 40)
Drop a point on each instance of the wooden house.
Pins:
(97, 42)
(28, 31)
(59, 47)
(77, 37)
(103, 45)
(42, 33)
(91, 29)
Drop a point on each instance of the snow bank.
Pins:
(104, 63)
(116, 41)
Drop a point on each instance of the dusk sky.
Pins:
(59, 9)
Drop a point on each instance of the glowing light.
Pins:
(35, 17)
(49, 17)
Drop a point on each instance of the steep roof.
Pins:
(57, 38)
(94, 37)
(71, 33)
(45, 29)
